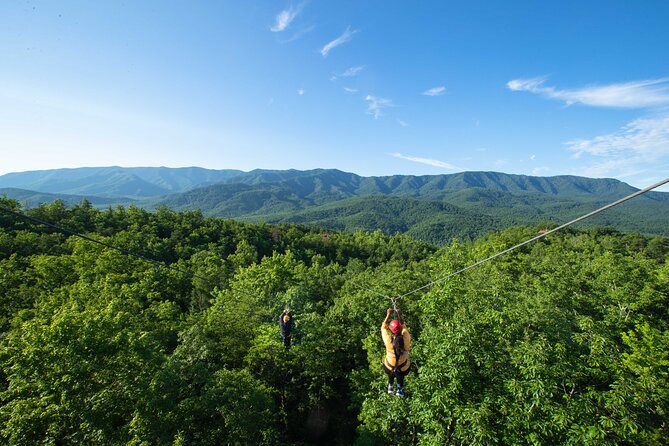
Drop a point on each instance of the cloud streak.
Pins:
(436, 91)
(428, 161)
(647, 137)
(634, 148)
(635, 94)
(285, 17)
(353, 71)
(345, 37)
(350, 72)
(375, 105)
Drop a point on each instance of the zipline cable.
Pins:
(90, 239)
(595, 212)
(370, 290)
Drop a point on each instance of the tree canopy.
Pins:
(564, 341)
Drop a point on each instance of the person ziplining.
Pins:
(397, 340)
(286, 325)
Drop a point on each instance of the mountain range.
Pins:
(435, 208)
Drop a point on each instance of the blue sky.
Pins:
(373, 87)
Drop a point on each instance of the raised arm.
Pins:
(389, 313)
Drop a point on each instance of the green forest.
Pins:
(563, 341)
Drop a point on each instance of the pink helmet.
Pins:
(395, 326)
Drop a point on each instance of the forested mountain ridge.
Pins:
(328, 199)
(431, 221)
(563, 341)
(164, 180)
(333, 199)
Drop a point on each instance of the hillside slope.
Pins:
(29, 198)
(330, 198)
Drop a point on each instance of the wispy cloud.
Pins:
(436, 91)
(300, 92)
(648, 137)
(376, 104)
(428, 161)
(353, 71)
(635, 94)
(350, 72)
(345, 37)
(636, 147)
(299, 33)
(285, 17)
(402, 123)
(350, 90)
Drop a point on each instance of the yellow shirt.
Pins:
(389, 360)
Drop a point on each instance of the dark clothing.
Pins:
(396, 374)
(286, 327)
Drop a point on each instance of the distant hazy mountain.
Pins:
(430, 207)
(115, 181)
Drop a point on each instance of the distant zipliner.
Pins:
(397, 341)
(286, 326)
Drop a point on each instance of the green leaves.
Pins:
(564, 341)
(75, 375)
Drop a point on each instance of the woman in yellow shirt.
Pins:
(397, 340)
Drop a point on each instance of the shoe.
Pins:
(390, 389)
(400, 391)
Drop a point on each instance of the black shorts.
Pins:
(397, 372)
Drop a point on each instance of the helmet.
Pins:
(395, 326)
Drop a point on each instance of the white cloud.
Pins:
(345, 37)
(353, 71)
(635, 148)
(647, 137)
(436, 91)
(300, 91)
(376, 104)
(284, 18)
(540, 170)
(402, 123)
(532, 157)
(350, 90)
(428, 161)
(635, 94)
(350, 72)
